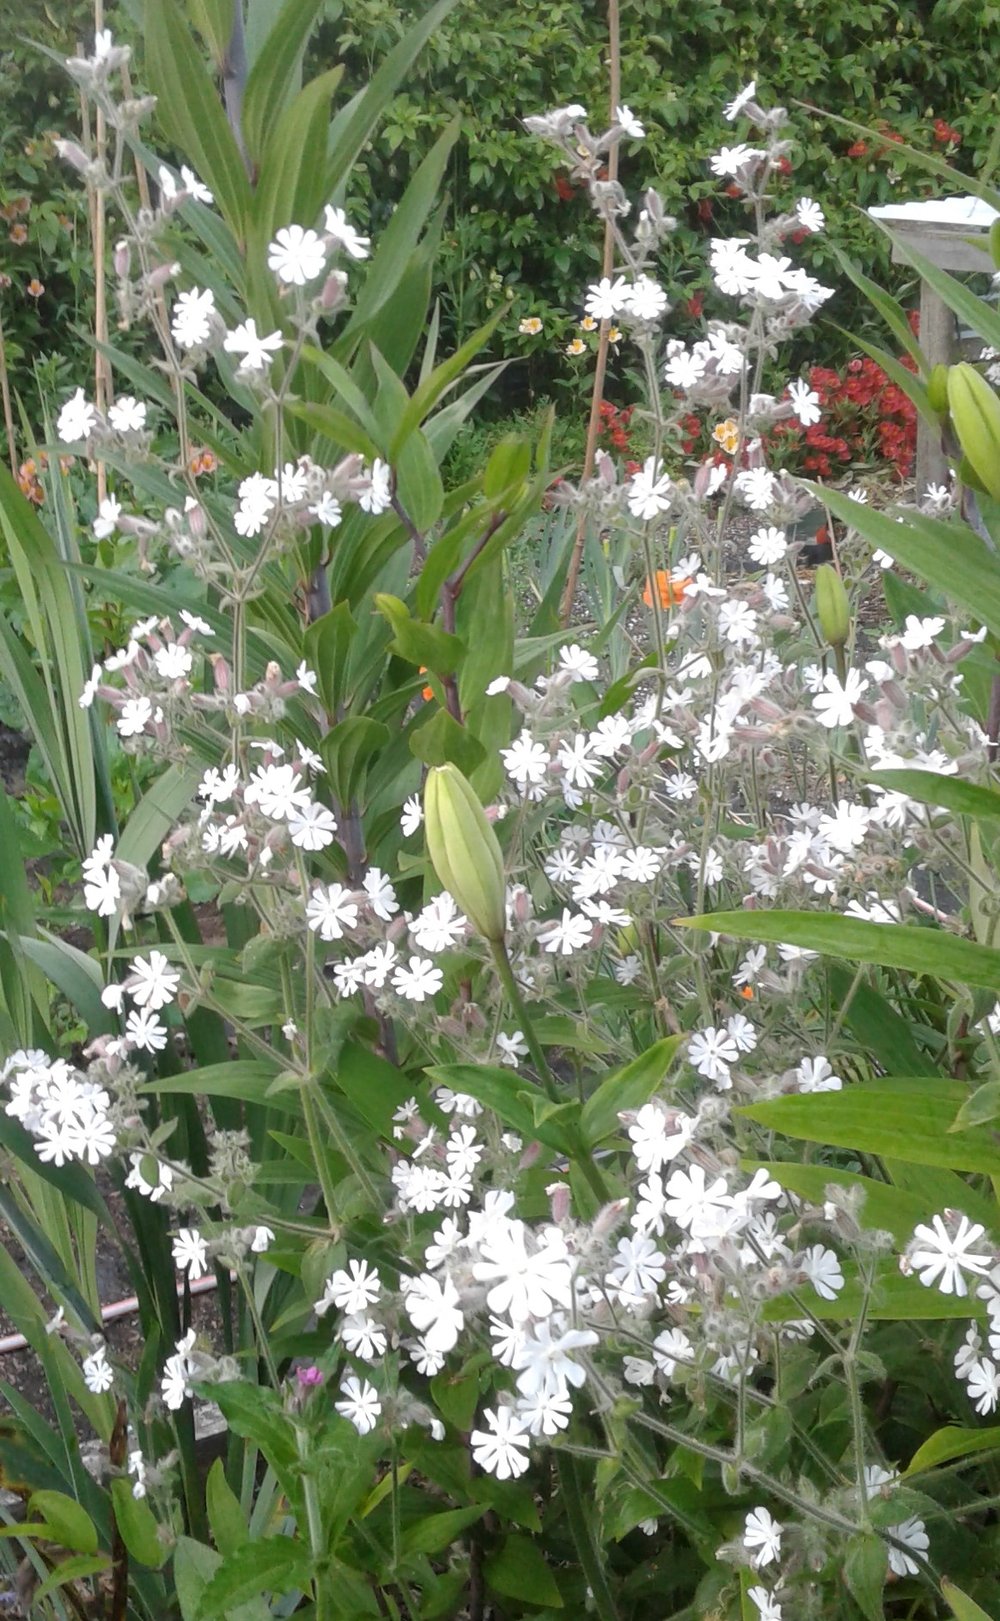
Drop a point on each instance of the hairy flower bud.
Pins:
(832, 607)
(975, 413)
(464, 850)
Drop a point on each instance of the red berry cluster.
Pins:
(614, 426)
(866, 419)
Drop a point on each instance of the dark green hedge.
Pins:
(509, 232)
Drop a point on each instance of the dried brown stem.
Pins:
(600, 369)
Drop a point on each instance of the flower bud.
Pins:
(832, 607)
(975, 413)
(937, 390)
(464, 850)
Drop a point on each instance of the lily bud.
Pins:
(464, 850)
(937, 390)
(832, 607)
(975, 412)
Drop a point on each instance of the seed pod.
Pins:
(464, 850)
(975, 412)
(832, 607)
(937, 390)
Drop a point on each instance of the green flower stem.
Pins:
(581, 1158)
(520, 1009)
(588, 1552)
(309, 1088)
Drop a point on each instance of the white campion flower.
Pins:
(711, 1052)
(646, 300)
(191, 318)
(822, 1267)
(98, 1375)
(352, 1289)
(732, 111)
(809, 215)
(942, 1253)
(729, 160)
(732, 267)
(984, 1385)
(331, 911)
(632, 127)
(767, 1606)
(650, 491)
(339, 227)
(576, 662)
(412, 815)
(106, 522)
(296, 256)
(359, 1404)
(152, 983)
(432, 1305)
(755, 487)
(256, 352)
(190, 1253)
(805, 401)
(762, 1537)
(834, 703)
(127, 415)
(816, 1075)
(311, 826)
(418, 980)
(526, 761)
(502, 1448)
(913, 1534)
(378, 496)
(606, 298)
(76, 420)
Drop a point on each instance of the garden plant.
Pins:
(540, 1078)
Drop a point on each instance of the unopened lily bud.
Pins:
(832, 607)
(937, 390)
(464, 850)
(975, 413)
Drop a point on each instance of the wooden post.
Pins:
(953, 233)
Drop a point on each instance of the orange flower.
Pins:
(428, 692)
(35, 288)
(747, 993)
(669, 590)
(202, 461)
(28, 484)
(18, 233)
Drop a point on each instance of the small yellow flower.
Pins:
(588, 324)
(530, 326)
(614, 335)
(576, 346)
(727, 434)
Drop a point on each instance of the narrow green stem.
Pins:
(318, 1146)
(520, 1009)
(587, 1550)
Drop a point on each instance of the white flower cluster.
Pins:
(67, 1114)
(949, 1254)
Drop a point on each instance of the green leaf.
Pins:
(431, 388)
(518, 1570)
(348, 749)
(193, 1567)
(437, 1532)
(897, 1119)
(884, 1208)
(501, 1091)
(375, 1088)
(879, 1029)
(442, 739)
(341, 430)
(931, 788)
(137, 1524)
(69, 1570)
(274, 1565)
(968, 306)
(327, 647)
(890, 310)
(921, 951)
(865, 1566)
(417, 643)
(190, 113)
(962, 1607)
(946, 553)
(293, 184)
(276, 72)
(628, 1088)
(70, 1525)
(399, 238)
(978, 1110)
(952, 1442)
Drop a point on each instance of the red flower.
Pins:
(694, 305)
(858, 150)
(705, 210)
(564, 189)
